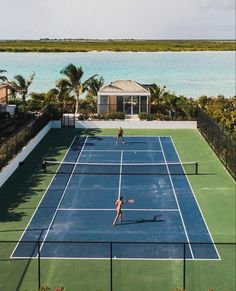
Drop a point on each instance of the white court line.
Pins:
(118, 259)
(144, 151)
(190, 248)
(121, 160)
(63, 194)
(113, 209)
(197, 202)
(150, 136)
(42, 199)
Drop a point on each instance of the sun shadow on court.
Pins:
(16, 195)
(142, 220)
(21, 230)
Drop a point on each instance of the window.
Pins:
(143, 103)
(119, 105)
(103, 106)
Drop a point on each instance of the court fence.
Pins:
(38, 272)
(13, 144)
(223, 145)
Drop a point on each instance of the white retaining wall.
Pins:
(55, 124)
(137, 124)
(13, 165)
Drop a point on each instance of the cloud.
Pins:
(117, 18)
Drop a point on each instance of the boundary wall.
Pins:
(9, 169)
(132, 124)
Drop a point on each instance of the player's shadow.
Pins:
(142, 220)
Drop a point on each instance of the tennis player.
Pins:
(120, 135)
(119, 203)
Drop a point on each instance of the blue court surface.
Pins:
(75, 216)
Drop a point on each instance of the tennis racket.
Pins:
(130, 201)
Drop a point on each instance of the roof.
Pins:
(124, 87)
(3, 86)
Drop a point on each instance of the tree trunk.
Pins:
(24, 103)
(77, 104)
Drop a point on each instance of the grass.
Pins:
(116, 45)
(214, 190)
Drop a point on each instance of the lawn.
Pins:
(214, 189)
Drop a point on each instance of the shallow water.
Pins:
(191, 74)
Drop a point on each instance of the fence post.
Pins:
(39, 273)
(111, 266)
(184, 266)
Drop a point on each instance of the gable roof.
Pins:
(123, 87)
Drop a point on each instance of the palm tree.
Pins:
(73, 82)
(94, 85)
(61, 92)
(21, 85)
(12, 92)
(3, 78)
(157, 93)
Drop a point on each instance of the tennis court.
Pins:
(77, 210)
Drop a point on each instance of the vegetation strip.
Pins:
(47, 45)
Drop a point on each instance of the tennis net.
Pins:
(68, 168)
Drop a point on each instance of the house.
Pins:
(3, 94)
(10, 109)
(125, 96)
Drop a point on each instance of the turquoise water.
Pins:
(191, 74)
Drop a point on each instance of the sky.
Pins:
(117, 19)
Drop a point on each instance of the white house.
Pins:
(3, 93)
(125, 96)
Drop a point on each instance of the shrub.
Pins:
(118, 115)
(53, 110)
(142, 116)
(5, 115)
(83, 114)
(160, 116)
(102, 116)
(151, 117)
(111, 116)
(146, 116)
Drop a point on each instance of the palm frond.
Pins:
(3, 78)
(21, 81)
(30, 80)
(73, 74)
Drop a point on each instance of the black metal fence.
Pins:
(13, 144)
(113, 273)
(222, 144)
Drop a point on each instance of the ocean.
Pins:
(191, 74)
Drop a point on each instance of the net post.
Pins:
(39, 268)
(44, 166)
(197, 168)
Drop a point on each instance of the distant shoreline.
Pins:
(57, 46)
